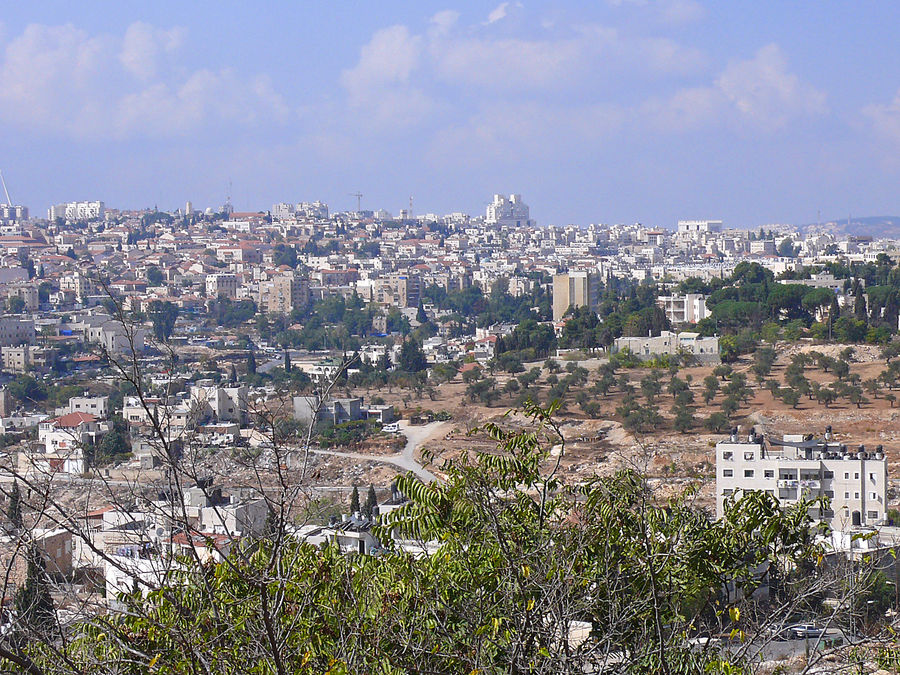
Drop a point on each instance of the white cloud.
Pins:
(64, 81)
(515, 63)
(379, 83)
(884, 118)
(760, 90)
(681, 11)
(443, 21)
(143, 45)
(498, 13)
(388, 59)
(763, 90)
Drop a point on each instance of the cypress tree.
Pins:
(34, 606)
(233, 374)
(14, 511)
(354, 500)
(287, 361)
(251, 363)
(371, 501)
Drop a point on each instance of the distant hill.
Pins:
(877, 227)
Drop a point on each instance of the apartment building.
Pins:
(688, 308)
(283, 293)
(221, 286)
(575, 289)
(77, 211)
(801, 467)
(15, 332)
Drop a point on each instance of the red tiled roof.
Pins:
(74, 419)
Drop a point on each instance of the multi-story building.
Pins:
(11, 212)
(854, 482)
(688, 308)
(284, 293)
(575, 289)
(223, 404)
(762, 247)
(77, 283)
(92, 405)
(77, 211)
(15, 332)
(695, 228)
(512, 212)
(221, 286)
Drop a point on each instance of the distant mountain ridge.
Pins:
(877, 227)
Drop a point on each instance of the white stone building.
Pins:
(853, 481)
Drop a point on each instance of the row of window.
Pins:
(787, 475)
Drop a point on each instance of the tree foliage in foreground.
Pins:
(525, 574)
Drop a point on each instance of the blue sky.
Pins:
(619, 111)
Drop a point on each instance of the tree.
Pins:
(154, 276)
(251, 362)
(34, 606)
(502, 588)
(718, 422)
(15, 304)
(421, 316)
(233, 374)
(511, 387)
(790, 397)
(684, 418)
(711, 388)
(368, 509)
(354, 500)
(412, 358)
(14, 509)
(287, 361)
(163, 315)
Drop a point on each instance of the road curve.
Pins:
(416, 436)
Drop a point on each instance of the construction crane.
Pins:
(5, 191)
(359, 197)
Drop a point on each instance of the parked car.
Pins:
(801, 631)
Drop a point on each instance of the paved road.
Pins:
(415, 437)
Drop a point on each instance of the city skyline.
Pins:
(622, 112)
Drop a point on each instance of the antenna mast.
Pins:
(5, 191)
(359, 197)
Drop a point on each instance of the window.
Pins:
(769, 473)
(829, 474)
(856, 476)
(829, 494)
(727, 473)
(872, 477)
(873, 496)
(727, 454)
(846, 476)
(872, 515)
(770, 492)
(748, 456)
(748, 473)
(727, 492)
(846, 495)
(855, 495)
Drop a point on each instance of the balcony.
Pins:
(788, 484)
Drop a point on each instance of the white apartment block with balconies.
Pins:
(853, 481)
(688, 308)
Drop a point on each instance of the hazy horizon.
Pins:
(626, 111)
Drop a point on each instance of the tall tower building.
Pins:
(575, 289)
